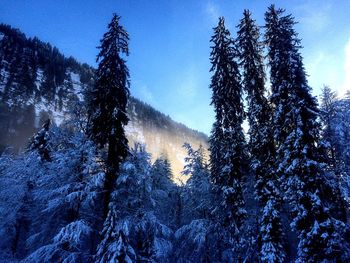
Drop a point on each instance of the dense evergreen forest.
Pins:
(80, 193)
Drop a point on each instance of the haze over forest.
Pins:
(170, 43)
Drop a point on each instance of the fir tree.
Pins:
(40, 142)
(115, 246)
(328, 114)
(109, 100)
(227, 142)
(164, 192)
(60, 214)
(161, 172)
(132, 213)
(197, 194)
(261, 145)
(296, 133)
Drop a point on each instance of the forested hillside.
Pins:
(86, 190)
(38, 82)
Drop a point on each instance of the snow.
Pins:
(44, 106)
(61, 201)
(39, 78)
(136, 131)
(77, 85)
(4, 75)
(73, 233)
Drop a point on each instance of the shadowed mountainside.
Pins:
(38, 82)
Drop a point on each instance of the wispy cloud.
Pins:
(327, 68)
(313, 63)
(346, 84)
(188, 89)
(323, 68)
(146, 94)
(189, 85)
(212, 11)
(314, 15)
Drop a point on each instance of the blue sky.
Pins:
(169, 42)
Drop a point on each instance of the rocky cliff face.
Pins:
(37, 82)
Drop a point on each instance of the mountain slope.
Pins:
(37, 82)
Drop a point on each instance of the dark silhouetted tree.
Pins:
(261, 144)
(109, 99)
(297, 137)
(227, 142)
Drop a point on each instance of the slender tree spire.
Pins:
(228, 156)
(109, 99)
(261, 144)
(328, 113)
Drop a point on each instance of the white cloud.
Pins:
(346, 84)
(314, 15)
(189, 84)
(146, 94)
(313, 64)
(333, 69)
(212, 11)
(318, 65)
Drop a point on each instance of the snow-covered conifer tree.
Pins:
(297, 137)
(57, 215)
(109, 99)
(227, 142)
(40, 142)
(114, 246)
(165, 194)
(328, 114)
(334, 174)
(134, 214)
(161, 172)
(261, 144)
(197, 190)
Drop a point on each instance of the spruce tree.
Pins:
(261, 144)
(40, 142)
(227, 142)
(328, 114)
(297, 137)
(109, 100)
(164, 191)
(330, 140)
(341, 140)
(114, 246)
(161, 172)
(132, 228)
(196, 193)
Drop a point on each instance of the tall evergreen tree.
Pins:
(196, 193)
(328, 114)
(296, 133)
(109, 99)
(331, 142)
(115, 246)
(227, 142)
(165, 192)
(261, 145)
